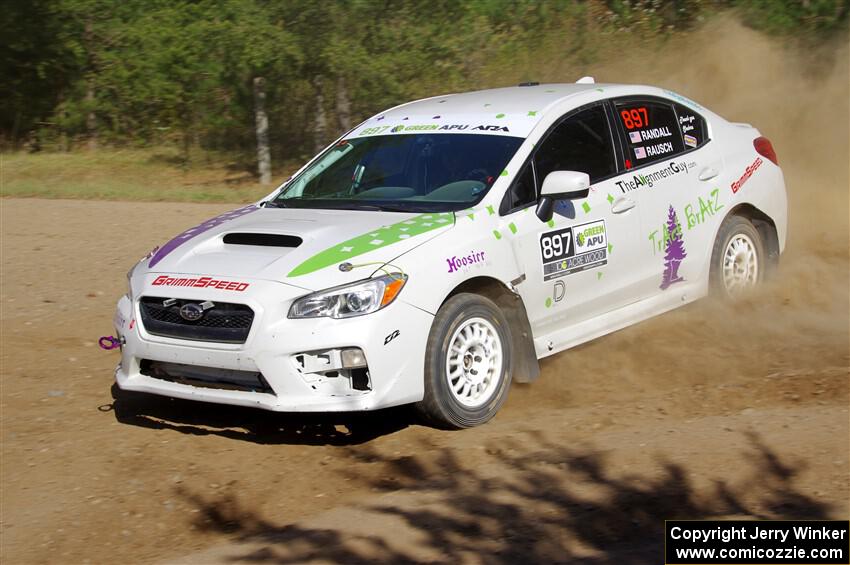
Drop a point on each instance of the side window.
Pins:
(692, 126)
(581, 142)
(522, 193)
(651, 131)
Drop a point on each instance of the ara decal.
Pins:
(376, 239)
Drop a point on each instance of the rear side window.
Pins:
(692, 126)
(651, 130)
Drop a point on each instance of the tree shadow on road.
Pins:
(251, 424)
(533, 501)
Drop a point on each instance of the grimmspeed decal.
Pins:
(748, 172)
(573, 249)
(200, 282)
(649, 179)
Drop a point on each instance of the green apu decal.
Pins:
(376, 239)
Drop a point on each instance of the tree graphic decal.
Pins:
(674, 251)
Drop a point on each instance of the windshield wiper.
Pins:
(375, 207)
(339, 206)
(347, 206)
(389, 208)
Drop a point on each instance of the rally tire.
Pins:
(737, 259)
(467, 363)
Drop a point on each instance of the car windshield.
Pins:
(407, 173)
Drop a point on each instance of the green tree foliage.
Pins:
(38, 64)
(181, 71)
(795, 16)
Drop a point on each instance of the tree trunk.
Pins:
(264, 160)
(320, 135)
(64, 146)
(343, 105)
(91, 118)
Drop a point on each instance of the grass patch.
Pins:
(129, 174)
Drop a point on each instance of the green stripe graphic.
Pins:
(376, 239)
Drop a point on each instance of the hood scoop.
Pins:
(263, 239)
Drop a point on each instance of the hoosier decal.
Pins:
(457, 263)
(573, 249)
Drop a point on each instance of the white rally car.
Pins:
(435, 252)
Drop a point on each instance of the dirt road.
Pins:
(711, 410)
(705, 411)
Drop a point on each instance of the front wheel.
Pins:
(737, 260)
(467, 363)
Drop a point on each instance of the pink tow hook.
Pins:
(109, 343)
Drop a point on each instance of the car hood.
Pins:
(318, 241)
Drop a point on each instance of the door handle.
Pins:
(622, 204)
(708, 173)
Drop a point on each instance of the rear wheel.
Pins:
(467, 363)
(737, 260)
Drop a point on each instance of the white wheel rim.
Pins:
(740, 264)
(474, 362)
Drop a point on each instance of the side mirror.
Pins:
(561, 185)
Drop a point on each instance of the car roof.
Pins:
(510, 100)
(511, 111)
(518, 108)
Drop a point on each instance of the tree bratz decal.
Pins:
(674, 251)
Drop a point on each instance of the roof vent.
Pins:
(586, 80)
(264, 239)
(529, 84)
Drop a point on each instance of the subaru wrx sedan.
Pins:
(433, 254)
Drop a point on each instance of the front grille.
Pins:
(224, 322)
(206, 377)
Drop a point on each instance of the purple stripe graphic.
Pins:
(197, 230)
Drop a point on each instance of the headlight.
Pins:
(350, 300)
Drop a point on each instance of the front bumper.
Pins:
(395, 365)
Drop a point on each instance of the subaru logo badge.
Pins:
(191, 312)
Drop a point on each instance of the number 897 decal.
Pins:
(573, 249)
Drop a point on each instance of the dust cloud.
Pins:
(796, 326)
(798, 97)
